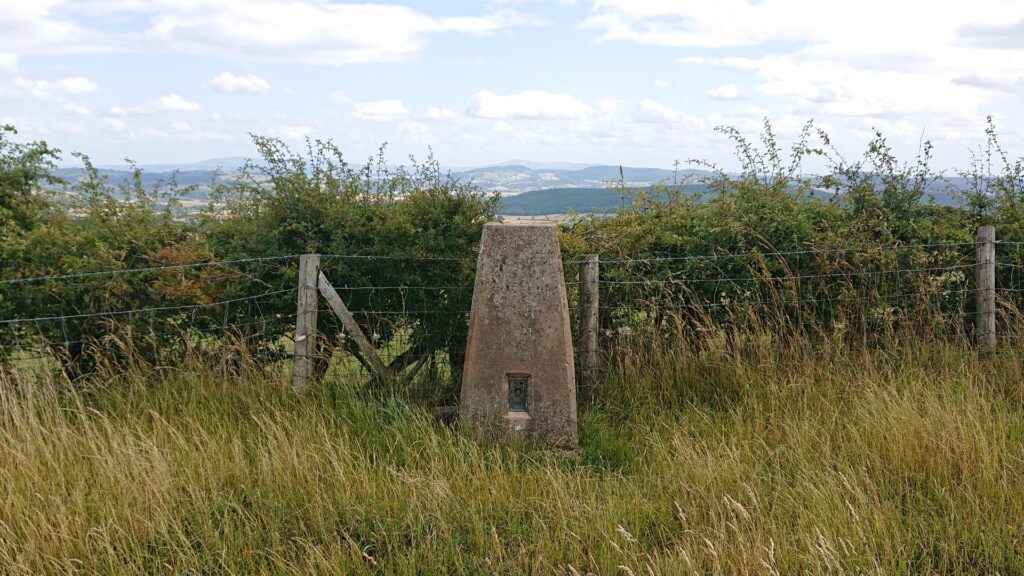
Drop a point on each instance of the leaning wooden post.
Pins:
(986, 297)
(352, 327)
(305, 321)
(589, 314)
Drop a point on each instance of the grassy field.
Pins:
(803, 458)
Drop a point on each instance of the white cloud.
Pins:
(381, 110)
(937, 64)
(189, 132)
(251, 83)
(166, 103)
(653, 112)
(435, 113)
(8, 63)
(23, 88)
(1006, 84)
(307, 31)
(955, 58)
(75, 85)
(816, 85)
(1000, 35)
(727, 92)
(418, 132)
(558, 2)
(533, 104)
(19, 88)
(294, 133)
(749, 22)
(660, 83)
(37, 27)
(76, 108)
(115, 124)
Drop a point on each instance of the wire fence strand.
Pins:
(115, 272)
(409, 303)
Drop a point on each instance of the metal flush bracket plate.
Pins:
(518, 392)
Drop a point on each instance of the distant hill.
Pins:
(608, 200)
(228, 164)
(579, 200)
(526, 190)
(517, 178)
(509, 179)
(202, 180)
(535, 165)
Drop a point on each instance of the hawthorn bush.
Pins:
(855, 252)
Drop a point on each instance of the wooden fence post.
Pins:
(589, 318)
(305, 321)
(986, 297)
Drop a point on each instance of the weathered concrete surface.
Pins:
(519, 325)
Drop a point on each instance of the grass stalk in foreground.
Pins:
(773, 460)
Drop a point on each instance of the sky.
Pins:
(633, 82)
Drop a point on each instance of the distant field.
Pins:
(778, 460)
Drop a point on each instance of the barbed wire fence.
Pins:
(871, 294)
(414, 311)
(79, 321)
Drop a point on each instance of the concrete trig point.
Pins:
(519, 374)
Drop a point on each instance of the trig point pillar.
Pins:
(519, 374)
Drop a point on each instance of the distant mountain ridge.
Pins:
(512, 179)
(586, 200)
(508, 178)
(532, 165)
(534, 189)
(227, 164)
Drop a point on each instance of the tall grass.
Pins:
(770, 458)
